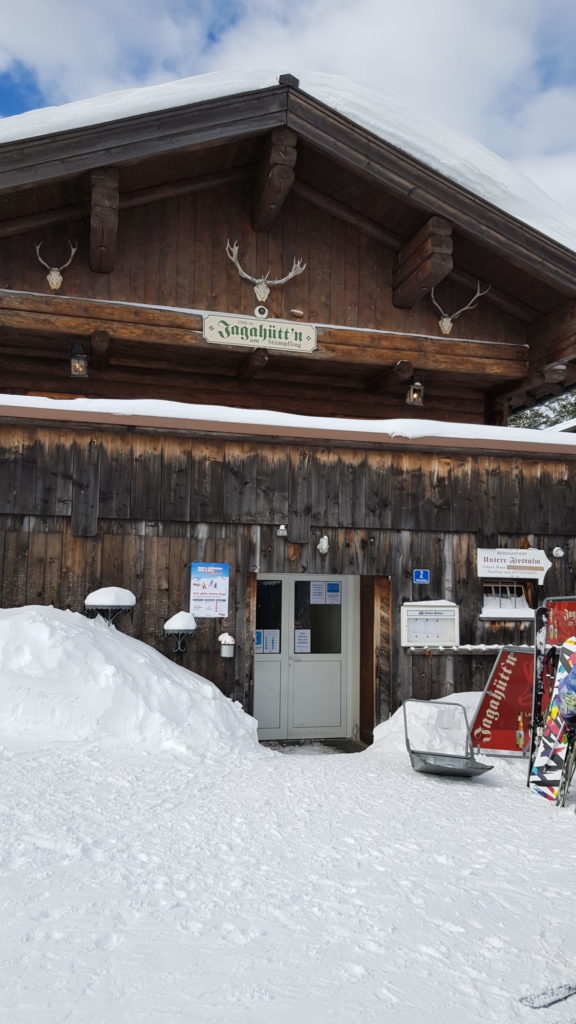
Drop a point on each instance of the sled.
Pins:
(438, 739)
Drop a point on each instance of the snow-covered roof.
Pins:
(456, 157)
(221, 418)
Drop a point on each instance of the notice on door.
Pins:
(301, 641)
(271, 641)
(325, 593)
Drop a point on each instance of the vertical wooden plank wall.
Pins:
(85, 508)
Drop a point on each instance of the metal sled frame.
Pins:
(434, 763)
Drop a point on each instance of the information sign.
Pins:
(209, 589)
(420, 575)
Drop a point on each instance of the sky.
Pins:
(500, 71)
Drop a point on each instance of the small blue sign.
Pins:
(420, 575)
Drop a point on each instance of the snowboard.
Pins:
(546, 773)
(540, 621)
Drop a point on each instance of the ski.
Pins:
(547, 770)
(549, 996)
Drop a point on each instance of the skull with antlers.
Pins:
(262, 285)
(446, 321)
(54, 275)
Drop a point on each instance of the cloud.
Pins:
(555, 174)
(502, 73)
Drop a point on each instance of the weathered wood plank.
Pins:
(115, 479)
(85, 488)
(299, 497)
(15, 567)
(175, 484)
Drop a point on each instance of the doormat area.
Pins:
(314, 747)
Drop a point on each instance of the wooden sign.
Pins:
(251, 332)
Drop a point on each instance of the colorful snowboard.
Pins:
(540, 621)
(546, 773)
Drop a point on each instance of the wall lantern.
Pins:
(180, 626)
(415, 393)
(78, 362)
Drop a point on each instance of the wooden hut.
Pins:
(250, 244)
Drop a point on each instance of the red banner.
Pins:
(561, 620)
(503, 716)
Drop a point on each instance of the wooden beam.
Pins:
(99, 350)
(423, 263)
(423, 187)
(57, 315)
(552, 338)
(394, 241)
(397, 374)
(275, 178)
(104, 219)
(538, 385)
(67, 153)
(253, 364)
(347, 215)
(128, 200)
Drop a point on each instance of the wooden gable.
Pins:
(152, 200)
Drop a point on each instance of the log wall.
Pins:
(83, 508)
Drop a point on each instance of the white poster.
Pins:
(301, 641)
(317, 593)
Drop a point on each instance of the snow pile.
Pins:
(110, 597)
(69, 678)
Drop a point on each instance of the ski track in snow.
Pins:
(263, 889)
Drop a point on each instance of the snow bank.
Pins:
(68, 678)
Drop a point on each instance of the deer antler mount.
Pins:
(263, 284)
(54, 275)
(446, 321)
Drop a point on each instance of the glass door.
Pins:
(300, 678)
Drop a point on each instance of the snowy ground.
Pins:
(142, 883)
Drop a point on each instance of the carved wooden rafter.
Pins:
(402, 371)
(252, 365)
(104, 219)
(100, 342)
(275, 178)
(547, 382)
(423, 263)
